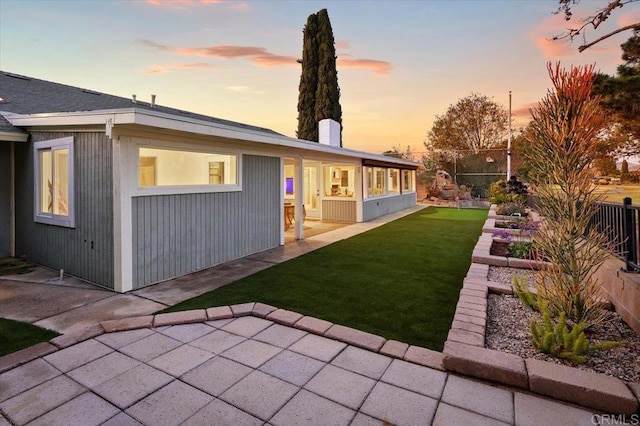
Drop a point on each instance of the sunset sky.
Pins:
(399, 63)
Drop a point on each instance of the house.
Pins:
(125, 194)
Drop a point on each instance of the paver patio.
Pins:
(244, 372)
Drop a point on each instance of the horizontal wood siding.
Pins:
(5, 198)
(175, 235)
(85, 251)
(339, 210)
(377, 207)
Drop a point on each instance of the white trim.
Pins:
(12, 200)
(162, 120)
(122, 215)
(13, 137)
(52, 145)
(282, 191)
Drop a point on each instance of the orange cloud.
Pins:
(163, 69)
(342, 44)
(629, 18)
(543, 34)
(258, 55)
(377, 67)
(240, 6)
(523, 112)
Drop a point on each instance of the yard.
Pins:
(400, 280)
(616, 193)
(16, 335)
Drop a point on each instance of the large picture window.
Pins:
(167, 167)
(339, 181)
(407, 180)
(377, 178)
(53, 166)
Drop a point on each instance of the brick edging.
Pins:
(465, 353)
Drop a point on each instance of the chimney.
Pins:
(329, 132)
(153, 101)
(133, 99)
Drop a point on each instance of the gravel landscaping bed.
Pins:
(508, 331)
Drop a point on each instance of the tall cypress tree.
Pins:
(307, 124)
(319, 95)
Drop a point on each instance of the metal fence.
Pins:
(619, 222)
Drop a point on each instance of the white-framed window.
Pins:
(339, 181)
(54, 178)
(377, 178)
(394, 181)
(407, 180)
(169, 170)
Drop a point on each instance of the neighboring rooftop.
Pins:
(27, 95)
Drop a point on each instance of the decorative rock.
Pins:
(219, 312)
(498, 288)
(485, 364)
(183, 317)
(25, 355)
(242, 309)
(127, 323)
(581, 387)
(426, 357)
(261, 310)
(284, 317)
(77, 336)
(466, 337)
(635, 389)
(394, 348)
(355, 337)
(313, 325)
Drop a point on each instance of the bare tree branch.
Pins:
(593, 21)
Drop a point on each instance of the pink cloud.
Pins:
(240, 6)
(542, 35)
(181, 3)
(163, 69)
(342, 44)
(523, 112)
(629, 18)
(377, 67)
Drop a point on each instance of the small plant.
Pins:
(562, 341)
(521, 249)
(526, 296)
(511, 209)
(502, 235)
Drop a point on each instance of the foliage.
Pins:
(355, 282)
(526, 296)
(511, 208)
(307, 124)
(563, 341)
(319, 93)
(563, 137)
(474, 123)
(521, 249)
(503, 235)
(511, 191)
(593, 20)
(624, 171)
(396, 153)
(497, 193)
(620, 98)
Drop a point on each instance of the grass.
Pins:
(616, 193)
(400, 280)
(16, 335)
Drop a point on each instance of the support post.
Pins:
(299, 198)
(629, 235)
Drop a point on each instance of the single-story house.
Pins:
(125, 194)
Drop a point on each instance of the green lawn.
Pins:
(400, 280)
(16, 335)
(616, 193)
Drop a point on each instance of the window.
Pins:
(394, 181)
(53, 166)
(166, 167)
(377, 177)
(339, 181)
(407, 180)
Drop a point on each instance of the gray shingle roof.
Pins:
(5, 126)
(26, 95)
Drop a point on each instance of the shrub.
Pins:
(511, 208)
(521, 249)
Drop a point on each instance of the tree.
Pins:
(474, 123)
(624, 171)
(319, 93)
(620, 98)
(396, 153)
(594, 20)
(307, 124)
(563, 137)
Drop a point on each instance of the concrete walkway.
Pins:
(235, 371)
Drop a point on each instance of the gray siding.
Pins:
(339, 210)
(5, 198)
(85, 251)
(174, 235)
(374, 208)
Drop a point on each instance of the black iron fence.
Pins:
(619, 222)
